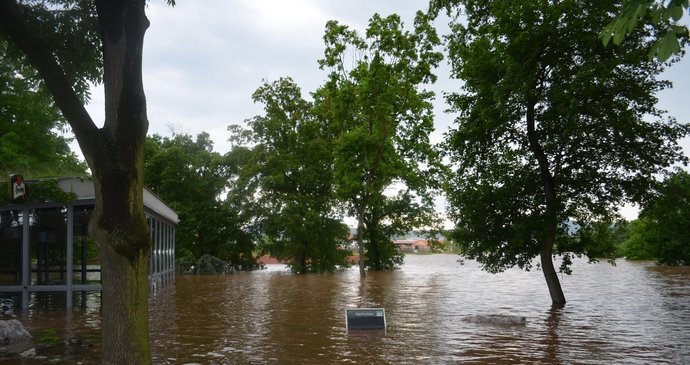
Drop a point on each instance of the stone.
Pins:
(28, 353)
(14, 338)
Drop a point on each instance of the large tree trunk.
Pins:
(119, 224)
(551, 202)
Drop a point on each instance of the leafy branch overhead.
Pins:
(662, 17)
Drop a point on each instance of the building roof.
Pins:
(83, 188)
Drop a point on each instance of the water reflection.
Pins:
(633, 313)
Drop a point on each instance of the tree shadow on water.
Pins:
(552, 341)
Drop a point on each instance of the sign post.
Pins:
(365, 319)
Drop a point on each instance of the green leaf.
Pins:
(676, 12)
(667, 46)
(680, 30)
(606, 35)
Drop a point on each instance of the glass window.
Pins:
(154, 246)
(47, 302)
(168, 245)
(171, 248)
(86, 255)
(87, 301)
(11, 247)
(150, 222)
(48, 245)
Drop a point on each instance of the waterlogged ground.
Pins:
(438, 312)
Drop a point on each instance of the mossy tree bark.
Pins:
(119, 224)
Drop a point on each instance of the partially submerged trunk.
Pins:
(550, 274)
(301, 261)
(119, 227)
(360, 242)
(125, 295)
(548, 183)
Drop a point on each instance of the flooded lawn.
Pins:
(437, 310)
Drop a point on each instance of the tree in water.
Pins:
(373, 100)
(662, 232)
(200, 184)
(292, 164)
(552, 127)
(70, 43)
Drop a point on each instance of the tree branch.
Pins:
(39, 55)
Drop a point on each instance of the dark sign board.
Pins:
(365, 319)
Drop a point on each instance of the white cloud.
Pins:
(290, 21)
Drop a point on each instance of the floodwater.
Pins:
(631, 313)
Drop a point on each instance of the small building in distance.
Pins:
(47, 254)
(412, 245)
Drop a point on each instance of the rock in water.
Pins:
(14, 338)
(497, 319)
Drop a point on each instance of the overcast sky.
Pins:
(204, 59)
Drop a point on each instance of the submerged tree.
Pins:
(70, 43)
(662, 232)
(553, 127)
(292, 162)
(383, 121)
(197, 182)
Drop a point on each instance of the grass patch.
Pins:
(47, 337)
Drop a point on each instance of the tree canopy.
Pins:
(30, 124)
(383, 120)
(196, 182)
(292, 164)
(553, 127)
(662, 232)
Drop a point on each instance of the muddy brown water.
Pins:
(631, 313)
